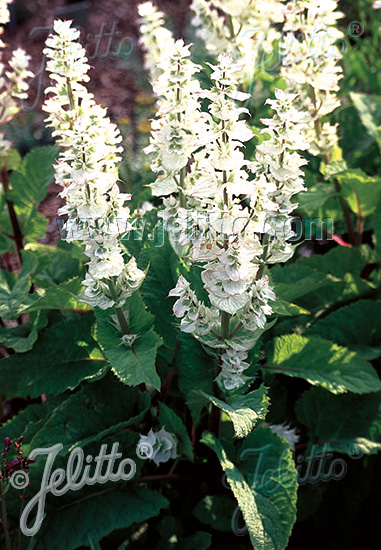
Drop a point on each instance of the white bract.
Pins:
(310, 57)
(87, 170)
(244, 29)
(159, 446)
(225, 214)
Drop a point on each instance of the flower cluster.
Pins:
(155, 39)
(13, 82)
(159, 446)
(245, 30)
(235, 215)
(87, 170)
(310, 67)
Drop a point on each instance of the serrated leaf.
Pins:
(114, 407)
(133, 365)
(267, 464)
(172, 423)
(30, 181)
(241, 490)
(55, 264)
(348, 423)
(63, 356)
(244, 411)
(322, 363)
(266, 498)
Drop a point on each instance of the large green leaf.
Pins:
(159, 280)
(14, 289)
(344, 423)
(114, 407)
(264, 485)
(55, 264)
(134, 364)
(244, 411)
(336, 275)
(356, 326)
(63, 356)
(195, 368)
(267, 464)
(68, 528)
(172, 423)
(322, 363)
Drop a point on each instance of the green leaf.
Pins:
(344, 423)
(267, 464)
(159, 280)
(11, 160)
(114, 407)
(369, 110)
(55, 264)
(322, 363)
(356, 325)
(63, 296)
(267, 499)
(280, 307)
(360, 191)
(63, 356)
(241, 490)
(23, 337)
(6, 244)
(195, 368)
(29, 184)
(244, 411)
(14, 289)
(133, 365)
(30, 181)
(315, 197)
(216, 511)
(99, 516)
(172, 423)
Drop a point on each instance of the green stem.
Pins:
(118, 310)
(183, 202)
(8, 542)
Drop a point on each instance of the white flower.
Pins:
(161, 446)
(233, 365)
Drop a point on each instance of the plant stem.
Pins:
(8, 542)
(118, 310)
(17, 234)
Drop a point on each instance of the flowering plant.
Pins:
(209, 328)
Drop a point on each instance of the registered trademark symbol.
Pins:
(355, 28)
